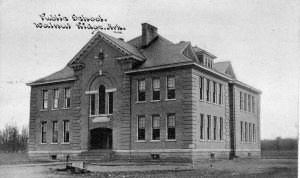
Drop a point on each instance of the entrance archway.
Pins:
(101, 138)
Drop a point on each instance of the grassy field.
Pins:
(13, 158)
(287, 154)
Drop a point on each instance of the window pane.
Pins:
(102, 99)
(156, 134)
(43, 128)
(201, 88)
(171, 133)
(171, 82)
(242, 132)
(207, 89)
(141, 90)
(220, 94)
(93, 104)
(156, 89)
(156, 84)
(214, 92)
(110, 102)
(171, 120)
(141, 122)
(155, 121)
(67, 97)
(245, 102)
(253, 104)
(66, 131)
(208, 127)
(141, 85)
(221, 128)
(215, 128)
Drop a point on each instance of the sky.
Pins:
(260, 38)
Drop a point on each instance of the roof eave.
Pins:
(239, 83)
(51, 81)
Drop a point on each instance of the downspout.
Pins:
(130, 118)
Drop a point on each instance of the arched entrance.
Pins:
(101, 138)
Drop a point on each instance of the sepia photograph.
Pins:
(128, 88)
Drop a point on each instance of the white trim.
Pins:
(57, 151)
(110, 90)
(179, 150)
(91, 92)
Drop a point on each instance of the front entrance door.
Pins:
(101, 138)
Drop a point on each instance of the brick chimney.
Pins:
(149, 32)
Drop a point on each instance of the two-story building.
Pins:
(147, 98)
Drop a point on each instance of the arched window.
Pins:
(102, 99)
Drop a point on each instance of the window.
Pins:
(110, 102)
(245, 102)
(156, 89)
(92, 104)
(201, 82)
(253, 104)
(171, 127)
(221, 128)
(205, 61)
(249, 103)
(155, 127)
(220, 94)
(141, 127)
(215, 92)
(215, 128)
(246, 132)
(66, 131)
(54, 132)
(55, 98)
(44, 131)
(45, 99)
(101, 99)
(170, 87)
(241, 101)
(207, 90)
(254, 133)
(67, 97)
(141, 90)
(201, 127)
(208, 127)
(242, 132)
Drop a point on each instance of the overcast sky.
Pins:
(260, 38)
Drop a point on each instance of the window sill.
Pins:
(170, 99)
(140, 141)
(153, 101)
(155, 140)
(100, 115)
(54, 109)
(43, 143)
(53, 143)
(202, 140)
(138, 102)
(65, 108)
(42, 110)
(171, 140)
(65, 143)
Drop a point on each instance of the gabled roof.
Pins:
(161, 52)
(124, 47)
(199, 50)
(66, 74)
(225, 68)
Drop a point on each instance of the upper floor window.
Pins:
(45, 99)
(171, 127)
(241, 101)
(141, 90)
(220, 94)
(55, 99)
(44, 131)
(254, 133)
(92, 104)
(66, 131)
(245, 102)
(156, 89)
(67, 97)
(214, 92)
(201, 81)
(171, 87)
(101, 105)
(110, 102)
(249, 103)
(207, 90)
(253, 104)
(141, 127)
(54, 132)
(155, 127)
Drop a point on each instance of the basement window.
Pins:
(53, 157)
